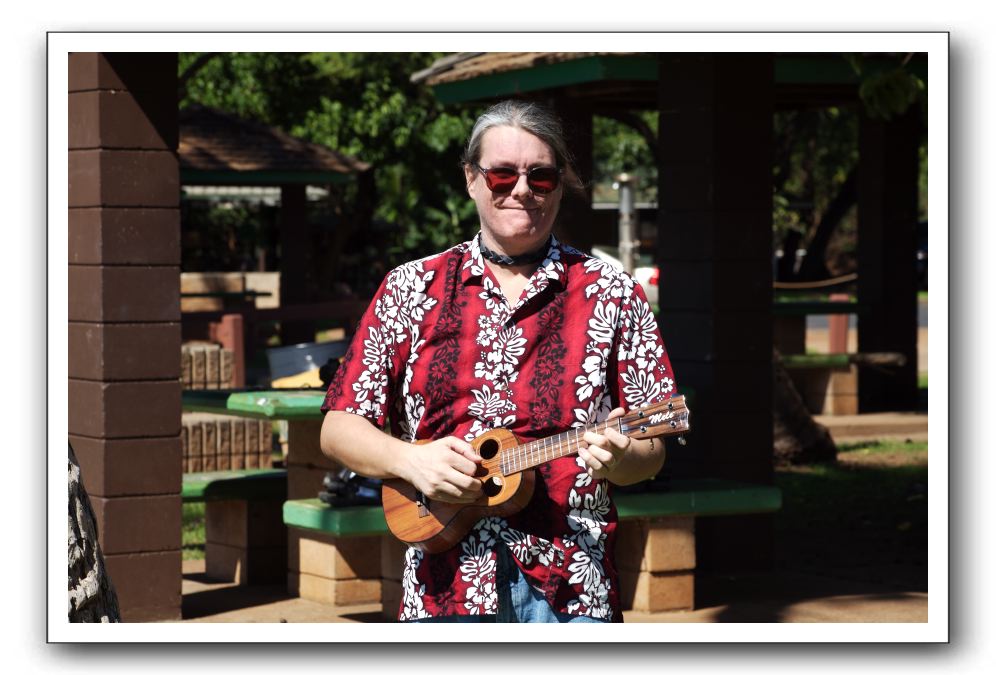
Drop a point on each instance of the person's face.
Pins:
(521, 220)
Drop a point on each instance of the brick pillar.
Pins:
(887, 218)
(124, 318)
(575, 225)
(714, 251)
(296, 262)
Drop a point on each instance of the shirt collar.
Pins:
(552, 269)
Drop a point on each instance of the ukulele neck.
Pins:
(662, 419)
(534, 453)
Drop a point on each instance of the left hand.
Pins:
(604, 451)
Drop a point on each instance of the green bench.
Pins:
(334, 551)
(246, 540)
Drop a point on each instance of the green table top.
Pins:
(275, 404)
(816, 360)
(702, 497)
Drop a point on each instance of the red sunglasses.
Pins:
(541, 179)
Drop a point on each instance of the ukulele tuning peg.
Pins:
(682, 441)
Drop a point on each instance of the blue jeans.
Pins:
(518, 601)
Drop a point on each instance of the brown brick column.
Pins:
(714, 251)
(887, 217)
(124, 318)
(297, 279)
(575, 224)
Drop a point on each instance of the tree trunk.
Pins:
(814, 265)
(799, 439)
(91, 594)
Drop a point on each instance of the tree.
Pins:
(92, 598)
(363, 105)
(798, 438)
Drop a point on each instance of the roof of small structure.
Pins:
(222, 149)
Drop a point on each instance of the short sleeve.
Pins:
(643, 369)
(363, 382)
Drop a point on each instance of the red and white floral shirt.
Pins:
(440, 352)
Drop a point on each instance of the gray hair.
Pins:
(531, 117)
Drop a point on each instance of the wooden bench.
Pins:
(246, 537)
(344, 556)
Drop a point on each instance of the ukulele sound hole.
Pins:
(488, 449)
(492, 486)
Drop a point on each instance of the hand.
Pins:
(604, 451)
(444, 470)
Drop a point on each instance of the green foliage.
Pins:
(815, 150)
(362, 105)
(618, 148)
(886, 91)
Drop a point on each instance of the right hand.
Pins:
(444, 470)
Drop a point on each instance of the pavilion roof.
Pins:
(223, 149)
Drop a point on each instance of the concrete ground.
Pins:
(764, 598)
(777, 596)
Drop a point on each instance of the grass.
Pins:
(193, 538)
(863, 518)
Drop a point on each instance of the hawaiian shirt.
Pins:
(441, 352)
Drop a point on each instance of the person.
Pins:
(512, 329)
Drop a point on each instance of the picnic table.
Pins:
(246, 537)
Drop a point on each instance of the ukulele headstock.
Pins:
(667, 418)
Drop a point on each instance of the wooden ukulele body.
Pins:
(435, 526)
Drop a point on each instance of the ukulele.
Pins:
(506, 480)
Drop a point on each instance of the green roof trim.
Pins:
(794, 69)
(269, 178)
(790, 69)
(549, 75)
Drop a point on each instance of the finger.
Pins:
(604, 457)
(465, 491)
(617, 439)
(464, 483)
(616, 412)
(463, 448)
(597, 463)
(462, 464)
